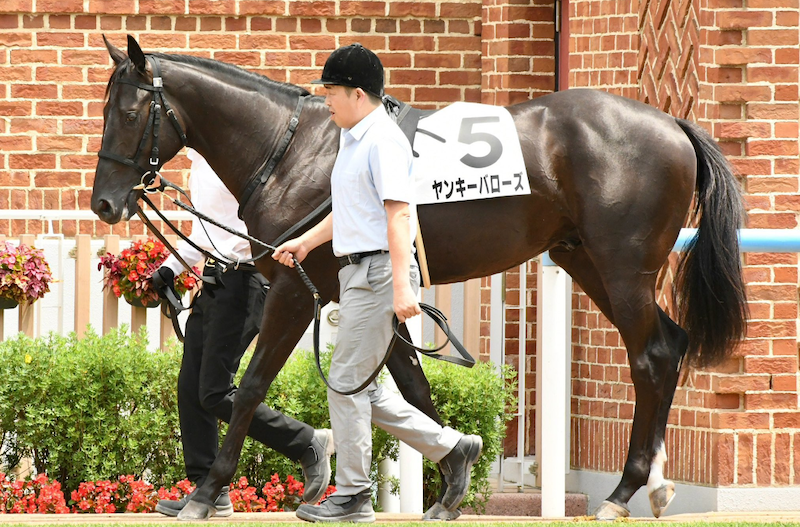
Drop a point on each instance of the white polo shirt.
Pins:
(373, 165)
(211, 197)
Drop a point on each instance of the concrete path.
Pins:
(289, 517)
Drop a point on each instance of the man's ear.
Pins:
(136, 54)
(116, 54)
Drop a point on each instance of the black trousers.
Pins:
(218, 331)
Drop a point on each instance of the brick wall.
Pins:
(733, 70)
(54, 69)
(749, 55)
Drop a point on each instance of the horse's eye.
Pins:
(130, 117)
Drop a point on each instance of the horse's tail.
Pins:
(708, 289)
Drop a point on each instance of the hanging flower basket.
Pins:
(128, 274)
(137, 302)
(24, 275)
(8, 303)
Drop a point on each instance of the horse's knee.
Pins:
(249, 398)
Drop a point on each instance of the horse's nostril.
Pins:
(104, 209)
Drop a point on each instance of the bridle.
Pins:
(153, 127)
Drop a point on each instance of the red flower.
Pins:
(129, 273)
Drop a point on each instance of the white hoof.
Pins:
(608, 511)
(661, 497)
(437, 512)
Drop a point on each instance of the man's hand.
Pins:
(162, 278)
(293, 248)
(405, 302)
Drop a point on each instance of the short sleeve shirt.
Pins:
(373, 165)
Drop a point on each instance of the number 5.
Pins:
(467, 136)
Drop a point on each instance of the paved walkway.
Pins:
(289, 517)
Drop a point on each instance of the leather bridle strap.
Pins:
(262, 175)
(153, 127)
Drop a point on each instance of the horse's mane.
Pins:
(251, 80)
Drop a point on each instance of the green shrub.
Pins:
(100, 407)
(91, 408)
(473, 401)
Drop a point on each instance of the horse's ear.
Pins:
(136, 54)
(116, 55)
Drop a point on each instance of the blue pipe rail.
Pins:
(750, 241)
(754, 240)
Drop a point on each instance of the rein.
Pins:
(149, 185)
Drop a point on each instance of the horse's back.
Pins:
(601, 168)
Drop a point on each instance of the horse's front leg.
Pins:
(286, 315)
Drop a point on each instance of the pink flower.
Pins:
(24, 273)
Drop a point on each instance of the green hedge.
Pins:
(104, 406)
(91, 408)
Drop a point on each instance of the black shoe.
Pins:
(357, 508)
(456, 467)
(316, 464)
(174, 507)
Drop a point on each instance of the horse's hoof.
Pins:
(608, 511)
(438, 513)
(661, 497)
(195, 510)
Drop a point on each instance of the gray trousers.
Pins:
(365, 330)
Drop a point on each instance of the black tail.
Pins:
(708, 288)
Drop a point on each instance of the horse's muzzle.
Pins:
(106, 211)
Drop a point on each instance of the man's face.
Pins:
(342, 105)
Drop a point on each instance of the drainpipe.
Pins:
(561, 42)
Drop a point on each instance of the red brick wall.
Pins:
(54, 69)
(734, 70)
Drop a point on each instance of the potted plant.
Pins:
(128, 274)
(24, 275)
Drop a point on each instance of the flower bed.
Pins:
(129, 494)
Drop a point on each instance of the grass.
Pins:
(534, 521)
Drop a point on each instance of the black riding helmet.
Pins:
(354, 66)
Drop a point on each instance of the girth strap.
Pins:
(261, 176)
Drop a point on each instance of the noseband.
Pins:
(153, 126)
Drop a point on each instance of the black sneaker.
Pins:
(357, 508)
(456, 467)
(173, 507)
(316, 464)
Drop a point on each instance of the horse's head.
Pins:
(140, 133)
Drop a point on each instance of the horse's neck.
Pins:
(231, 126)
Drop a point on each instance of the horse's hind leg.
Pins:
(406, 369)
(660, 490)
(655, 347)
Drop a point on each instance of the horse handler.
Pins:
(372, 224)
(223, 322)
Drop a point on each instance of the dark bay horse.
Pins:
(612, 182)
